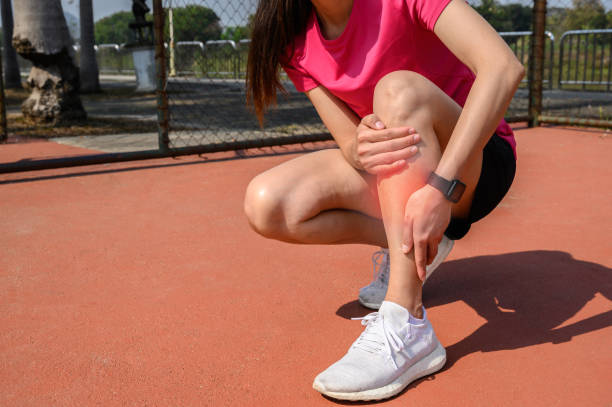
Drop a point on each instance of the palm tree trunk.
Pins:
(12, 77)
(90, 81)
(41, 35)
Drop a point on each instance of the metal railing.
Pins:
(114, 59)
(585, 59)
(218, 59)
(201, 110)
(520, 43)
(221, 59)
(186, 55)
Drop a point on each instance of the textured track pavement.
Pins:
(141, 284)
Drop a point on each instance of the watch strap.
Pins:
(452, 190)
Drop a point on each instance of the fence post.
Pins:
(3, 132)
(162, 80)
(536, 62)
(171, 48)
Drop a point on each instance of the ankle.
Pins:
(414, 307)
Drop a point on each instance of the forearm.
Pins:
(339, 120)
(486, 104)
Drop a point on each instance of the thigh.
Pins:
(319, 181)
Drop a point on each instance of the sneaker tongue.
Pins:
(394, 313)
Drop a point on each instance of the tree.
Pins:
(191, 23)
(507, 17)
(195, 23)
(90, 81)
(41, 35)
(555, 18)
(235, 33)
(520, 16)
(491, 11)
(586, 15)
(12, 76)
(114, 29)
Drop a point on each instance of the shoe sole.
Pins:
(424, 367)
(442, 255)
(370, 305)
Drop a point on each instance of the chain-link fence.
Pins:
(206, 65)
(201, 56)
(206, 86)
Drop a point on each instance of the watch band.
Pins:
(452, 190)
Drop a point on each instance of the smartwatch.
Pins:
(452, 190)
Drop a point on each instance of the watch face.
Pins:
(455, 191)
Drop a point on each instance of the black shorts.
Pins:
(497, 174)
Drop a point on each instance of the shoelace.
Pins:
(378, 336)
(380, 266)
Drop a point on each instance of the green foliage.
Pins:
(555, 20)
(586, 15)
(236, 33)
(194, 23)
(505, 17)
(191, 23)
(114, 29)
(583, 15)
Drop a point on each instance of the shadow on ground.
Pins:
(523, 297)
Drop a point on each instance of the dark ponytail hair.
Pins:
(275, 25)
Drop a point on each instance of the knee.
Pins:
(399, 95)
(263, 207)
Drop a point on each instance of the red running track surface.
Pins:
(142, 284)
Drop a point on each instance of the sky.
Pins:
(231, 12)
(228, 10)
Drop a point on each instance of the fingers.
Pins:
(380, 150)
(424, 245)
(372, 121)
(383, 134)
(377, 158)
(380, 163)
(420, 257)
(392, 144)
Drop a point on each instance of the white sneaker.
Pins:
(373, 294)
(394, 350)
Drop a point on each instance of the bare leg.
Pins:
(317, 198)
(407, 99)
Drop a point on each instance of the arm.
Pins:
(365, 144)
(498, 74)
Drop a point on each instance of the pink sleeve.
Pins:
(426, 12)
(301, 79)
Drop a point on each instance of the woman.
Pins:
(413, 92)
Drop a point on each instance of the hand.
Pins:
(379, 150)
(426, 217)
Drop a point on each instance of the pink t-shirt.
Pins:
(380, 37)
